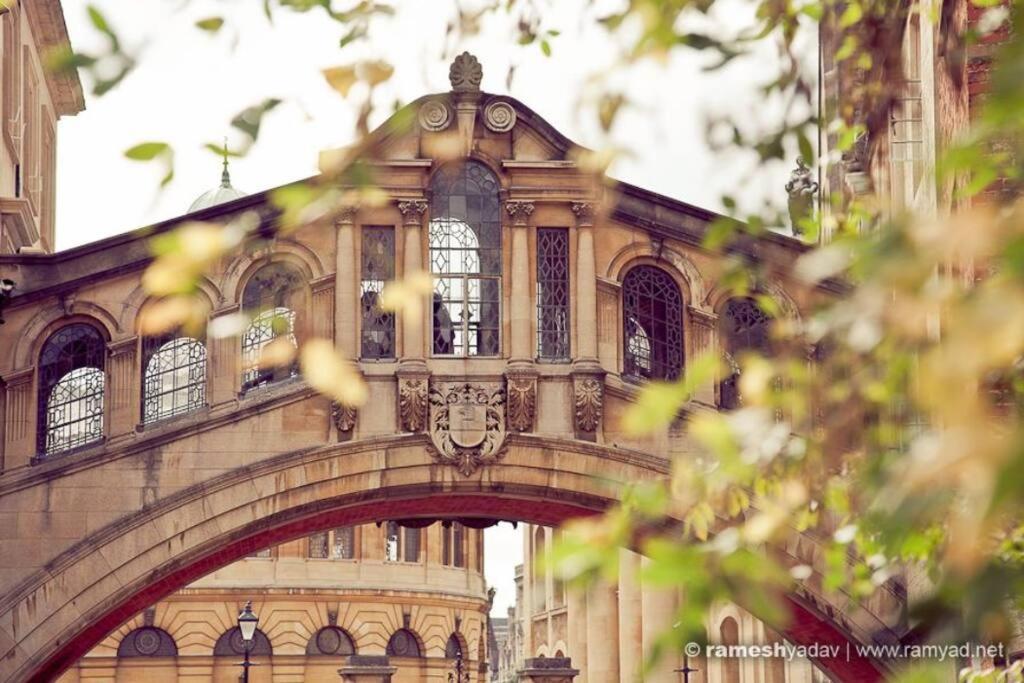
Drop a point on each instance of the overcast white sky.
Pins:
(189, 86)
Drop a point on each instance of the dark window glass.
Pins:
(653, 322)
(174, 377)
(231, 644)
(330, 640)
(744, 327)
(412, 545)
(458, 545)
(403, 644)
(392, 541)
(147, 641)
(71, 388)
(553, 293)
(465, 259)
(378, 266)
(271, 298)
(453, 648)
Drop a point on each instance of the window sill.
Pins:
(39, 458)
(172, 419)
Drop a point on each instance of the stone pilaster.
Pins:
(123, 397)
(323, 307)
(587, 374)
(602, 633)
(367, 669)
(346, 304)
(413, 341)
(631, 659)
(521, 375)
(223, 362)
(658, 607)
(704, 340)
(548, 670)
(576, 601)
(19, 419)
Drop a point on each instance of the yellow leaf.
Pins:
(374, 73)
(330, 374)
(341, 78)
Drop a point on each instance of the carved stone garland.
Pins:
(522, 402)
(412, 404)
(467, 425)
(589, 403)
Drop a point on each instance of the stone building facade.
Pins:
(31, 102)
(135, 463)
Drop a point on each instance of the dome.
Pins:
(221, 194)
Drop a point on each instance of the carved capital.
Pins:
(346, 215)
(584, 213)
(123, 346)
(412, 211)
(588, 399)
(412, 404)
(521, 408)
(344, 418)
(699, 316)
(519, 211)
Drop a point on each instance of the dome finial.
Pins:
(225, 176)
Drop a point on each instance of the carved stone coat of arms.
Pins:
(467, 425)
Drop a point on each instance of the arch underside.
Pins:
(81, 596)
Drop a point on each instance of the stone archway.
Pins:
(58, 613)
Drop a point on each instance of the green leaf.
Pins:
(210, 24)
(545, 47)
(147, 151)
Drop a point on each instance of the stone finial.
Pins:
(466, 73)
(801, 189)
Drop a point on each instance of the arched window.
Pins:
(652, 316)
(331, 641)
(173, 376)
(71, 386)
(230, 644)
(272, 298)
(403, 643)
(453, 648)
(729, 631)
(744, 327)
(147, 641)
(465, 259)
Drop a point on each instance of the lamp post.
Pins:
(247, 621)
(686, 670)
(458, 676)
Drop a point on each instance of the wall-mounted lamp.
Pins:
(6, 292)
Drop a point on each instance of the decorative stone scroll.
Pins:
(588, 398)
(584, 213)
(519, 212)
(344, 418)
(412, 404)
(435, 115)
(467, 425)
(522, 401)
(412, 211)
(465, 73)
(499, 117)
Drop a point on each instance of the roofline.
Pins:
(49, 28)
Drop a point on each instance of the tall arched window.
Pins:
(744, 327)
(403, 643)
(465, 259)
(652, 316)
(173, 376)
(272, 298)
(71, 387)
(729, 632)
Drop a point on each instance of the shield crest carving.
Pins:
(467, 425)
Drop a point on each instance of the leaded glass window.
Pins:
(744, 327)
(231, 644)
(403, 644)
(147, 641)
(331, 641)
(401, 544)
(71, 389)
(174, 377)
(553, 293)
(453, 544)
(653, 324)
(465, 259)
(378, 266)
(337, 544)
(271, 297)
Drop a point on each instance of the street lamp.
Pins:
(458, 676)
(6, 291)
(247, 621)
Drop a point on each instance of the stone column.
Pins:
(658, 607)
(19, 420)
(367, 669)
(224, 362)
(413, 376)
(704, 340)
(346, 302)
(548, 670)
(576, 613)
(588, 375)
(602, 633)
(122, 394)
(521, 375)
(631, 659)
